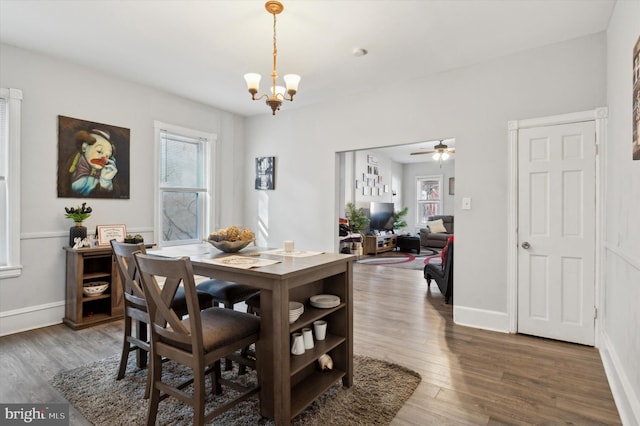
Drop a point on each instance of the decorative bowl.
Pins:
(229, 246)
(95, 288)
(295, 310)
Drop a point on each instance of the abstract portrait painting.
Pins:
(93, 159)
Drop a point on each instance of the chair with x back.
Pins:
(227, 294)
(199, 341)
(135, 306)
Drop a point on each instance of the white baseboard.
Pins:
(32, 317)
(480, 318)
(624, 396)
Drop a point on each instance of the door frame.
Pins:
(599, 116)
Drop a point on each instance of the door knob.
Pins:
(526, 245)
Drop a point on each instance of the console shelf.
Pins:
(374, 244)
(84, 266)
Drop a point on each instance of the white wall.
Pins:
(622, 242)
(51, 88)
(474, 104)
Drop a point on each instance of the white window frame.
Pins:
(205, 203)
(420, 200)
(10, 265)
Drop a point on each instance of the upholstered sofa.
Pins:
(429, 238)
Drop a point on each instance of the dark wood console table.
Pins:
(86, 265)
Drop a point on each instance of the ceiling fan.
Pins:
(440, 152)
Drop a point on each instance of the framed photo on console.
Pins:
(106, 233)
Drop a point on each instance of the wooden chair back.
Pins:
(129, 279)
(182, 341)
(165, 322)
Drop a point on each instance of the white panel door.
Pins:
(556, 232)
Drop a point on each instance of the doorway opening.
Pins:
(390, 175)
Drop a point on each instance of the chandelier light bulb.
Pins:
(253, 81)
(279, 91)
(292, 81)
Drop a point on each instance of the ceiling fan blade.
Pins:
(422, 152)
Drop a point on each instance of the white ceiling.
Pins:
(200, 49)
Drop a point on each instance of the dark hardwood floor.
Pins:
(469, 376)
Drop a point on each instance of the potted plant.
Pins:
(358, 222)
(398, 219)
(78, 215)
(133, 239)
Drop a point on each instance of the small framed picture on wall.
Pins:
(265, 173)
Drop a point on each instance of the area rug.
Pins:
(397, 259)
(380, 389)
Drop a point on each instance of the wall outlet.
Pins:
(466, 203)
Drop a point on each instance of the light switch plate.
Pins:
(466, 203)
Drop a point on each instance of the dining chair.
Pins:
(198, 341)
(135, 306)
(228, 294)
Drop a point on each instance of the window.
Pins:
(429, 198)
(184, 184)
(10, 106)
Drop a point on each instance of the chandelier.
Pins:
(278, 93)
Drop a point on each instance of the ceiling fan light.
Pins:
(445, 155)
(436, 156)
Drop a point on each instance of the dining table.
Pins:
(288, 383)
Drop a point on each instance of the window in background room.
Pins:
(429, 198)
(10, 106)
(184, 184)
